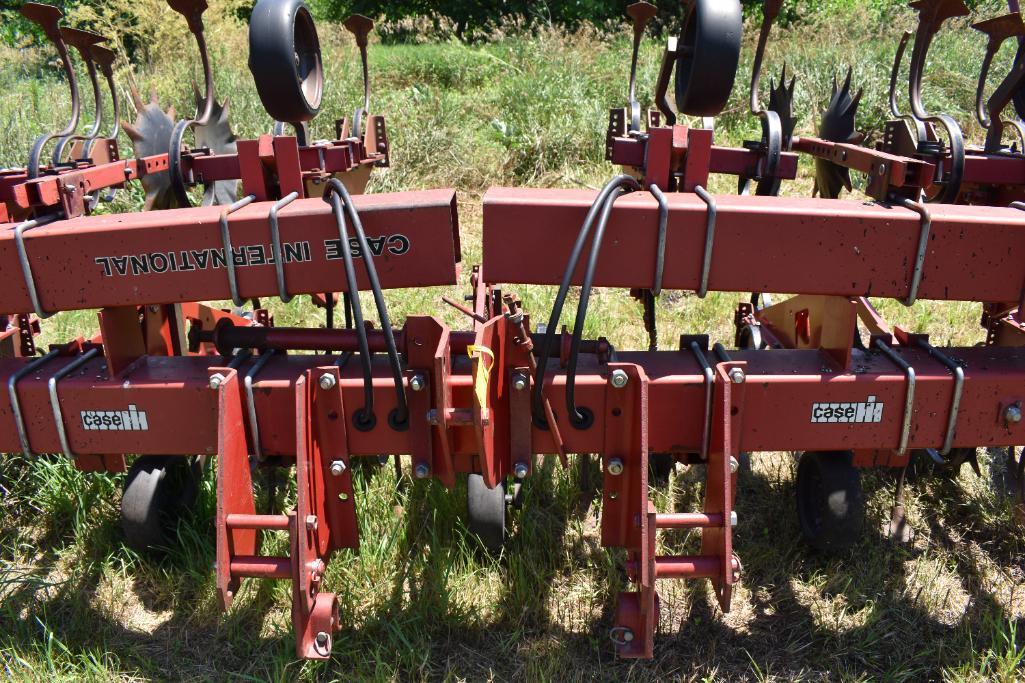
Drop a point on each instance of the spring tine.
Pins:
(193, 10)
(47, 17)
(895, 73)
(769, 13)
(665, 103)
(360, 27)
(931, 15)
(83, 42)
(104, 58)
(641, 13)
(998, 29)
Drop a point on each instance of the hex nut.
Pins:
(422, 471)
(521, 470)
(417, 382)
(615, 467)
(737, 376)
(619, 378)
(338, 468)
(328, 381)
(520, 382)
(216, 381)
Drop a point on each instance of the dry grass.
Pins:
(419, 601)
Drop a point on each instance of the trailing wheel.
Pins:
(830, 502)
(284, 57)
(708, 56)
(159, 492)
(487, 512)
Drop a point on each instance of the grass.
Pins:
(418, 600)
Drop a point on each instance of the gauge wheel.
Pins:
(159, 492)
(284, 58)
(830, 501)
(708, 55)
(486, 510)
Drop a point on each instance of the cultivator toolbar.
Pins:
(488, 401)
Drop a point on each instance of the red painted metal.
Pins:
(177, 255)
(763, 244)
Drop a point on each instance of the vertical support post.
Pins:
(721, 476)
(314, 614)
(428, 354)
(234, 481)
(627, 515)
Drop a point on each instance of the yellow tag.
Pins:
(483, 374)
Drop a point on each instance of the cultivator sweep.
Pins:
(168, 377)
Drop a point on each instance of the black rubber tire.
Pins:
(486, 510)
(158, 493)
(284, 57)
(708, 55)
(830, 502)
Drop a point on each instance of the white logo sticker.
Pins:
(868, 411)
(131, 420)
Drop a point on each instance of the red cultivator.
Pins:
(488, 401)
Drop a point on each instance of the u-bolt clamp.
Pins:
(192, 10)
(48, 17)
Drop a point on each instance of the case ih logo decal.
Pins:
(869, 411)
(159, 262)
(131, 420)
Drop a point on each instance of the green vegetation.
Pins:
(418, 600)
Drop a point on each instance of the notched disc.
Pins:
(837, 125)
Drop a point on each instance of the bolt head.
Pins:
(628, 636)
(521, 470)
(422, 471)
(1013, 414)
(737, 376)
(619, 378)
(311, 522)
(417, 382)
(338, 468)
(328, 381)
(520, 382)
(322, 638)
(216, 381)
(615, 467)
(734, 465)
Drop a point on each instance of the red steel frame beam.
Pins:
(172, 256)
(762, 244)
(174, 391)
